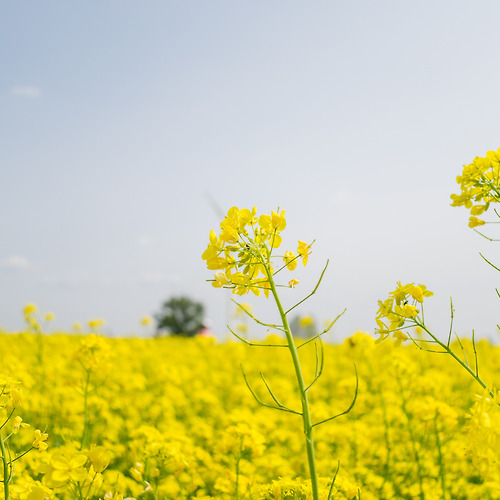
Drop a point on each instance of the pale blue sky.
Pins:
(120, 120)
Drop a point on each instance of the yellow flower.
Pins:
(304, 250)
(220, 280)
(408, 311)
(99, 457)
(15, 398)
(147, 320)
(419, 292)
(241, 253)
(49, 316)
(69, 468)
(400, 337)
(39, 492)
(273, 223)
(94, 324)
(293, 282)
(290, 260)
(479, 186)
(18, 423)
(30, 309)
(40, 438)
(474, 222)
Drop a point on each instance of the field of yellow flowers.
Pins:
(171, 418)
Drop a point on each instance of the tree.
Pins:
(180, 316)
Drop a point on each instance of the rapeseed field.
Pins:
(172, 418)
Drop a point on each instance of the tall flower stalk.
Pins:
(404, 309)
(241, 256)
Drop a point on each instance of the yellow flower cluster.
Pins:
(400, 307)
(172, 420)
(480, 186)
(483, 433)
(241, 253)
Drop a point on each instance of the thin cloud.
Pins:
(16, 262)
(29, 91)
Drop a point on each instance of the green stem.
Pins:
(456, 358)
(6, 474)
(306, 417)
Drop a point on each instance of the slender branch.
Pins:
(326, 330)
(350, 406)
(313, 292)
(492, 265)
(330, 491)
(267, 405)
(275, 399)
(423, 348)
(254, 344)
(457, 359)
(286, 265)
(8, 418)
(451, 321)
(22, 454)
(463, 351)
(248, 313)
(319, 364)
(475, 353)
(484, 236)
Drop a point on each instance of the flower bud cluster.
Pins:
(241, 253)
(398, 308)
(480, 186)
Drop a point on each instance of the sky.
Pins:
(127, 128)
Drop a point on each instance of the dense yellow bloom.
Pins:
(99, 458)
(241, 253)
(69, 468)
(483, 431)
(166, 406)
(397, 309)
(479, 185)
